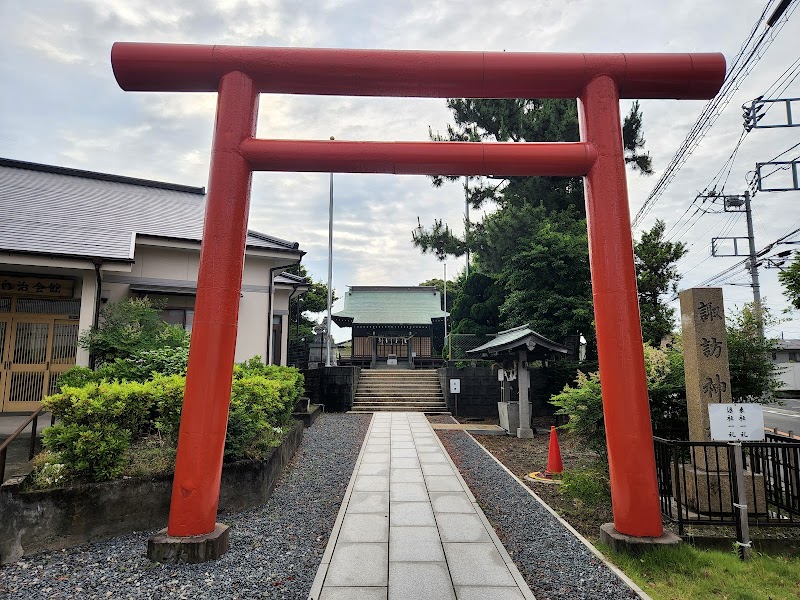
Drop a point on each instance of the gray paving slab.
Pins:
(406, 476)
(417, 544)
(365, 527)
(371, 483)
(354, 593)
(374, 469)
(460, 527)
(356, 565)
(410, 514)
(420, 581)
(463, 558)
(451, 502)
(443, 483)
(409, 528)
(437, 469)
(368, 502)
(408, 492)
(405, 463)
(465, 592)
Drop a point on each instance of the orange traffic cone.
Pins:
(554, 466)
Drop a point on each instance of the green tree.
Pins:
(535, 243)
(657, 277)
(314, 301)
(754, 377)
(453, 289)
(130, 326)
(542, 263)
(790, 278)
(477, 308)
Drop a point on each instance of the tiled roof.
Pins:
(291, 279)
(69, 212)
(390, 305)
(516, 338)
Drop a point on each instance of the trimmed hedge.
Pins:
(99, 420)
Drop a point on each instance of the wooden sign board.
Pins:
(36, 287)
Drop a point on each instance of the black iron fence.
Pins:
(696, 482)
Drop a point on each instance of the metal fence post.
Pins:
(740, 502)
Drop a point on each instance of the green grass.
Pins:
(685, 572)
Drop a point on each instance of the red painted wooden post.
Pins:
(204, 420)
(626, 409)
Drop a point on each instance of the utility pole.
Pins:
(735, 203)
(753, 266)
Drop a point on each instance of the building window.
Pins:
(179, 316)
(792, 356)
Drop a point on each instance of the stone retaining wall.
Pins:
(52, 519)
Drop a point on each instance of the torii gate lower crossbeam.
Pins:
(598, 81)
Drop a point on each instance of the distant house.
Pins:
(400, 324)
(788, 358)
(72, 240)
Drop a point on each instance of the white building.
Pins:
(72, 240)
(788, 359)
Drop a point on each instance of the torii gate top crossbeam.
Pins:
(423, 74)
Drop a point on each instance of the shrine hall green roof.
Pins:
(390, 305)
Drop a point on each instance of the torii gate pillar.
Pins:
(239, 74)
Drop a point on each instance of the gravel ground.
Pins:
(554, 563)
(274, 549)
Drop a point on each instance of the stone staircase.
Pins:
(399, 390)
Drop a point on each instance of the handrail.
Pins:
(34, 417)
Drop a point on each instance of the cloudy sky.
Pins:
(61, 105)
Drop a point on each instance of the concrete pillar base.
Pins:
(164, 548)
(628, 544)
(524, 433)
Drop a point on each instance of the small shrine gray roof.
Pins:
(515, 339)
(53, 210)
(390, 305)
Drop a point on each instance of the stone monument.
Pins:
(706, 480)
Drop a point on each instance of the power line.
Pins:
(749, 55)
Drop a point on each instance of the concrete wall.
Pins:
(54, 519)
(335, 387)
(480, 391)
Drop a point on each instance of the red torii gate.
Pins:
(240, 74)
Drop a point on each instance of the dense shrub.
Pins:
(129, 326)
(109, 427)
(141, 366)
(583, 404)
(96, 451)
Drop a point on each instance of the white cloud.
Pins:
(67, 109)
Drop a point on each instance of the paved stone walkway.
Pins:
(409, 528)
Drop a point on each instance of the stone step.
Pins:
(426, 409)
(390, 402)
(390, 396)
(375, 410)
(399, 374)
(397, 390)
